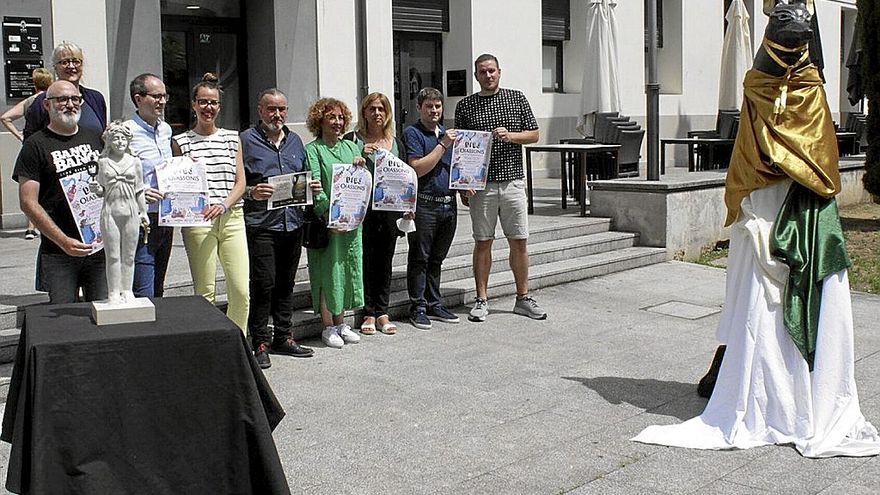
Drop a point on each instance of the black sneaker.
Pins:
(440, 313)
(30, 234)
(289, 347)
(419, 319)
(262, 355)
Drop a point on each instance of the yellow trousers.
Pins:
(224, 239)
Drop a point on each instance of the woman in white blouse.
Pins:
(220, 151)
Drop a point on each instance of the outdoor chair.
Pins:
(716, 155)
(630, 141)
(604, 123)
(613, 134)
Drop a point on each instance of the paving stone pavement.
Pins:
(516, 406)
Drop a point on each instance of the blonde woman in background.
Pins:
(69, 62)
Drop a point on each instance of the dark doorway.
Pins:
(192, 46)
(417, 64)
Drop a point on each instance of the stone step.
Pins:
(462, 245)
(458, 294)
(461, 267)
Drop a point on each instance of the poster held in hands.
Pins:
(350, 193)
(470, 160)
(184, 185)
(396, 183)
(85, 205)
(290, 190)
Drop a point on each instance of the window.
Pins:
(551, 72)
(555, 29)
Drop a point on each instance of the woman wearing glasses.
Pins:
(219, 150)
(68, 61)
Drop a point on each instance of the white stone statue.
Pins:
(120, 181)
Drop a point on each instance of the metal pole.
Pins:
(652, 90)
(363, 63)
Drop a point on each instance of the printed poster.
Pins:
(349, 194)
(470, 160)
(184, 209)
(396, 183)
(85, 205)
(290, 190)
(184, 184)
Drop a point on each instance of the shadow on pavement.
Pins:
(676, 399)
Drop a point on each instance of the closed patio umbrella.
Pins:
(736, 56)
(600, 90)
(854, 88)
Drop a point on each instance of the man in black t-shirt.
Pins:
(66, 263)
(507, 115)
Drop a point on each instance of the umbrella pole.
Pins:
(652, 90)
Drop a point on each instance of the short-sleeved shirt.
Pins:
(507, 108)
(44, 155)
(217, 152)
(263, 159)
(152, 145)
(419, 142)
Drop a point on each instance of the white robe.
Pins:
(765, 393)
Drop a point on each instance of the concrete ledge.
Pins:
(684, 212)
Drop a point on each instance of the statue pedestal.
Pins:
(140, 309)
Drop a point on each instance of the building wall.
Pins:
(134, 44)
(296, 54)
(310, 48)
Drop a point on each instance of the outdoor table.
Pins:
(178, 405)
(710, 143)
(584, 151)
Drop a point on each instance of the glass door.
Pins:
(192, 46)
(417, 64)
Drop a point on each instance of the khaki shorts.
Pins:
(505, 199)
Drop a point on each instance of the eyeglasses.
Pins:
(75, 62)
(75, 99)
(207, 103)
(274, 109)
(158, 96)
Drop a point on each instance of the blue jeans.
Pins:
(428, 247)
(62, 275)
(151, 260)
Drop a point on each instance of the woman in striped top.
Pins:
(219, 150)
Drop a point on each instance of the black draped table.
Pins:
(173, 406)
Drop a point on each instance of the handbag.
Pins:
(315, 234)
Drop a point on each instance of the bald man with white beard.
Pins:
(66, 262)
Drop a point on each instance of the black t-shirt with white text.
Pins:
(44, 155)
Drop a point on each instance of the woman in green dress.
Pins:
(335, 272)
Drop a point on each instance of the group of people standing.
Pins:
(63, 129)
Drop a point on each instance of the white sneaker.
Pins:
(331, 338)
(347, 334)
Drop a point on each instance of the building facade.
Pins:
(347, 48)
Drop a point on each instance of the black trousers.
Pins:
(274, 258)
(428, 247)
(379, 237)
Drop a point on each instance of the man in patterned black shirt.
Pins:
(507, 115)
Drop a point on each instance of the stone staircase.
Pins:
(561, 249)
